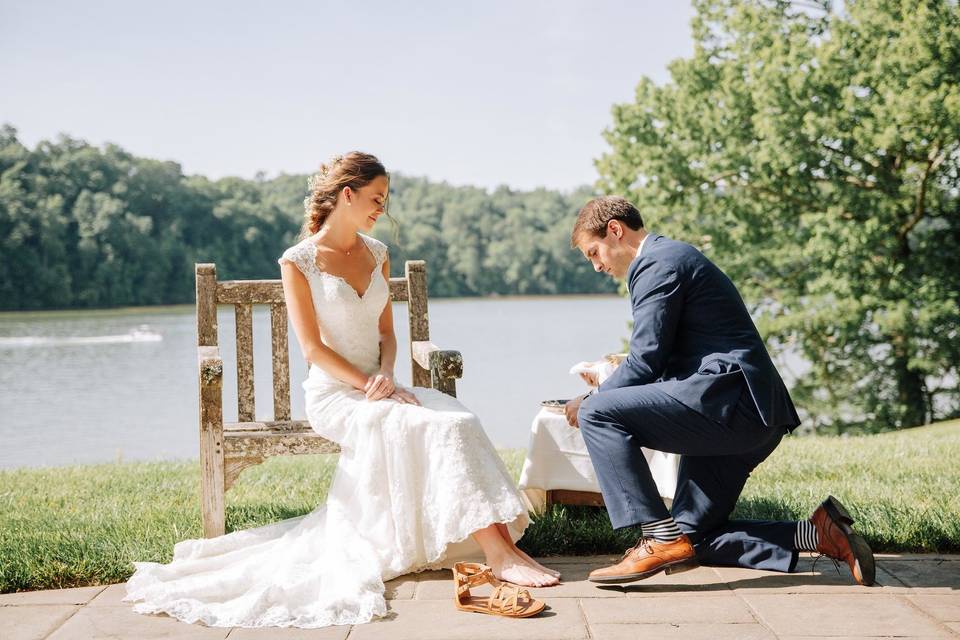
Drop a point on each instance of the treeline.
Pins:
(84, 226)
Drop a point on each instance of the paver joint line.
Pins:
(913, 605)
(753, 612)
(69, 617)
(583, 616)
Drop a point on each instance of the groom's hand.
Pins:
(571, 409)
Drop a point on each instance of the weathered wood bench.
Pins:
(226, 449)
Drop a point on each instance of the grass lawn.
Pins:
(72, 526)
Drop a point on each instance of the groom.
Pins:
(698, 382)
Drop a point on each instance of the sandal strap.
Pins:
(472, 575)
(505, 599)
(508, 602)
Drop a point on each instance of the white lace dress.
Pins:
(412, 483)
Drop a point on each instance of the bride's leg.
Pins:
(506, 563)
(505, 534)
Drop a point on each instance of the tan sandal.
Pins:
(507, 599)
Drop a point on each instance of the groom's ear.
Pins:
(615, 228)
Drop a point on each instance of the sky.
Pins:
(482, 93)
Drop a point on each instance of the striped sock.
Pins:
(806, 537)
(665, 530)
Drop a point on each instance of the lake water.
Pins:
(87, 386)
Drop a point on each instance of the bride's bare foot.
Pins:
(536, 565)
(517, 571)
(505, 534)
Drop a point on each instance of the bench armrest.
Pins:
(210, 364)
(444, 366)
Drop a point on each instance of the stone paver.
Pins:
(327, 633)
(918, 597)
(812, 576)
(438, 620)
(720, 608)
(95, 623)
(930, 576)
(685, 631)
(401, 588)
(817, 614)
(32, 622)
(945, 608)
(112, 596)
(81, 595)
(700, 581)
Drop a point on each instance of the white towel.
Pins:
(601, 369)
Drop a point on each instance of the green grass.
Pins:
(72, 526)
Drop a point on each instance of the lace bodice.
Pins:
(349, 322)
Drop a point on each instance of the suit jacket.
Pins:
(692, 334)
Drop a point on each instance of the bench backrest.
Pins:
(243, 294)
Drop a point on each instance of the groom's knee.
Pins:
(589, 415)
(596, 419)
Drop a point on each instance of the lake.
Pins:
(107, 385)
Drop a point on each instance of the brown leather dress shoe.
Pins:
(648, 558)
(836, 539)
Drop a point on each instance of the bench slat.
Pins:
(271, 291)
(281, 362)
(398, 289)
(269, 426)
(249, 292)
(246, 409)
(264, 439)
(416, 272)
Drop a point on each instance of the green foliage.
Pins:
(815, 156)
(72, 526)
(82, 226)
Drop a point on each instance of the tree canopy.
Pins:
(82, 226)
(814, 154)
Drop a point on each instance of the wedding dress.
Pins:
(412, 483)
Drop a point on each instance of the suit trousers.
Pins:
(716, 459)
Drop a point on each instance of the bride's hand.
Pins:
(379, 386)
(405, 396)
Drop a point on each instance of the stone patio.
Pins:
(917, 596)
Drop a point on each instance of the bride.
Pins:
(418, 484)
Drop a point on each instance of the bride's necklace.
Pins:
(352, 248)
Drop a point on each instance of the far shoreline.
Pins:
(179, 307)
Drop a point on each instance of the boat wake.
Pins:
(143, 333)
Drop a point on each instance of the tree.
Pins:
(82, 226)
(815, 156)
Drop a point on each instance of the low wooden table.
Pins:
(558, 469)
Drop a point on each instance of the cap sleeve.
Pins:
(300, 255)
(377, 248)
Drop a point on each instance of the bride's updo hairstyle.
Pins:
(354, 170)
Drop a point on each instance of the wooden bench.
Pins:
(226, 449)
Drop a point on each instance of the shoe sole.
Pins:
(837, 511)
(677, 566)
(864, 563)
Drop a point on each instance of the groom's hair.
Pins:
(594, 216)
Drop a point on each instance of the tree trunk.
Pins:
(911, 392)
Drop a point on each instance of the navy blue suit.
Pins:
(698, 381)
